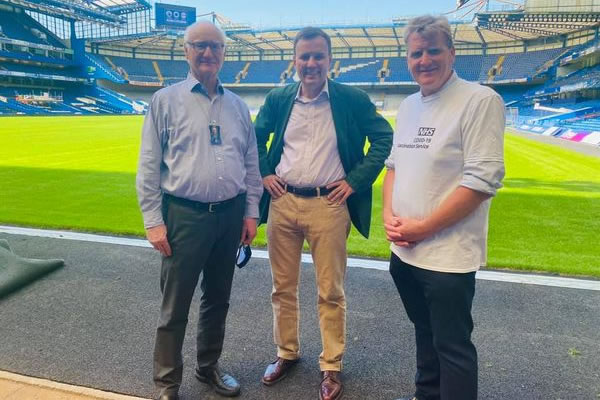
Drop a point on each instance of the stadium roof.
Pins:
(521, 25)
(487, 28)
(99, 11)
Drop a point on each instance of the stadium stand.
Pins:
(22, 27)
(359, 70)
(546, 68)
(263, 72)
(101, 69)
(588, 77)
(518, 66)
(48, 70)
(469, 67)
(136, 69)
(353, 70)
(230, 71)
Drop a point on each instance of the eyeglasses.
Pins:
(243, 255)
(202, 46)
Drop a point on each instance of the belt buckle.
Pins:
(210, 207)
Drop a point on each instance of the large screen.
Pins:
(173, 16)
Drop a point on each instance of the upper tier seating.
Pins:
(21, 26)
(353, 70)
(359, 69)
(33, 69)
(520, 65)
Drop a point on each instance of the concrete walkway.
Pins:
(19, 387)
(91, 324)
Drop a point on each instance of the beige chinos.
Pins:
(325, 226)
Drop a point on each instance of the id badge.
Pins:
(215, 134)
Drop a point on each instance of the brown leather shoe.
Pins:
(331, 386)
(277, 370)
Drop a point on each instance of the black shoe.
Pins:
(224, 384)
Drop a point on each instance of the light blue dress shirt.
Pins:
(177, 157)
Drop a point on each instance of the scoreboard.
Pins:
(174, 16)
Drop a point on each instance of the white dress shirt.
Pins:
(310, 155)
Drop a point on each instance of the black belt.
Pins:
(308, 192)
(210, 207)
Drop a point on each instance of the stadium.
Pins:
(101, 60)
(76, 77)
(105, 57)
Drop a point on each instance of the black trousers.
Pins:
(439, 306)
(202, 243)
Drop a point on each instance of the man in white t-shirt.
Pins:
(445, 165)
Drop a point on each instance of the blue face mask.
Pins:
(243, 255)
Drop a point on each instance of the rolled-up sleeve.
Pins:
(148, 174)
(253, 180)
(389, 162)
(483, 145)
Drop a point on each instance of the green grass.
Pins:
(79, 173)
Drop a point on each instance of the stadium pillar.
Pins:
(73, 31)
(77, 45)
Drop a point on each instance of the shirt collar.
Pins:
(323, 92)
(193, 85)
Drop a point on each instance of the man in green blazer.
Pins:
(317, 180)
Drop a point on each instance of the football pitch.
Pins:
(78, 173)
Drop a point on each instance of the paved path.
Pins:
(91, 324)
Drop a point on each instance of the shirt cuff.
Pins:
(483, 177)
(152, 219)
(251, 211)
(389, 163)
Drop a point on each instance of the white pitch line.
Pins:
(527, 279)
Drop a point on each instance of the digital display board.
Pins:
(173, 16)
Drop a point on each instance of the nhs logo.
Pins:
(426, 131)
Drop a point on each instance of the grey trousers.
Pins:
(201, 242)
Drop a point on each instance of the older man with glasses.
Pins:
(199, 187)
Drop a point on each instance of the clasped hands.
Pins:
(341, 189)
(405, 232)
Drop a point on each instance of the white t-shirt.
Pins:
(451, 138)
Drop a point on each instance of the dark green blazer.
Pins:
(355, 119)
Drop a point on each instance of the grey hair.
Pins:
(186, 33)
(429, 26)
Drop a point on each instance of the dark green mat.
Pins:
(16, 272)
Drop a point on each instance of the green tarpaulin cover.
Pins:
(16, 272)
